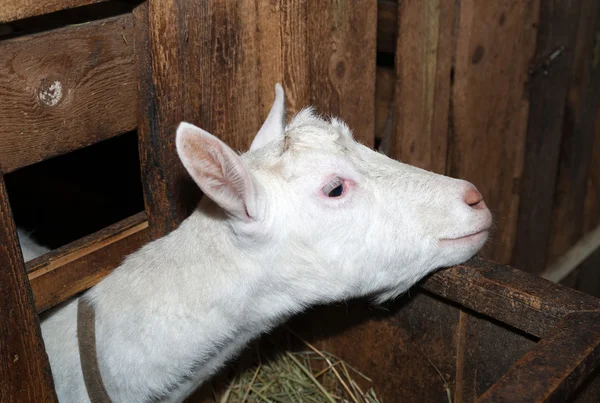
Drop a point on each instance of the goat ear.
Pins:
(274, 126)
(218, 170)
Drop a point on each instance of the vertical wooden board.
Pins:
(24, 368)
(342, 48)
(547, 97)
(495, 42)
(424, 52)
(282, 35)
(578, 135)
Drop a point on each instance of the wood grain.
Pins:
(578, 136)
(342, 48)
(544, 133)
(24, 369)
(11, 10)
(387, 26)
(66, 89)
(508, 295)
(282, 35)
(424, 56)
(496, 40)
(64, 272)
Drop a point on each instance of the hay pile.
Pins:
(298, 377)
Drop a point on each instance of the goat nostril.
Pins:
(472, 197)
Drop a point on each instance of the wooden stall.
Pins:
(493, 92)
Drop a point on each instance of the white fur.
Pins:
(30, 248)
(265, 244)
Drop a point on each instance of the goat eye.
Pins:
(337, 191)
(335, 188)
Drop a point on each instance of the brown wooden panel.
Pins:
(511, 296)
(282, 34)
(556, 367)
(342, 52)
(495, 42)
(387, 24)
(64, 272)
(490, 349)
(544, 131)
(401, 347)
(24, 369)
(66, 89)
(424, 56)
(11, 10)
(578, 135)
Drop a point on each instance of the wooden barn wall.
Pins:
(476, 97)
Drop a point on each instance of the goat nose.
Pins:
(473, 198)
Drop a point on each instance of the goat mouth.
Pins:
(475, 236)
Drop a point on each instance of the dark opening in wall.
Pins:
(65, 198)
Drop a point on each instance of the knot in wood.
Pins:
(51, 93)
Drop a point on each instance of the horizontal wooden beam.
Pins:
(11, 10)
(511, 296)
(64, 272)
(66, 89)
(556, 367)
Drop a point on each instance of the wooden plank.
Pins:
(387, 26)
(423, 62)
(342, 46)
(11, 10)
(55, 99)
(511, 296)
(491, 349)
(24, 369)
(548, 94)
(495, 42)
(282, 31)
(556, 367)
(64, 272)
(578, 136)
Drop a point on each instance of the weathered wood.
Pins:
(65, 89)
(554, 369)
(282, 30)
(11, 10)
(495, 42)
(544, 132)
(490, 349)
(342, 52)
(24, 369)
(387, 25)
(578, 135)
(64, 272)
(508, 295)
(424, 53)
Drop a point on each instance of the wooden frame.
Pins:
(140, 58)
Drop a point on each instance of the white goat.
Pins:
(307, 216)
